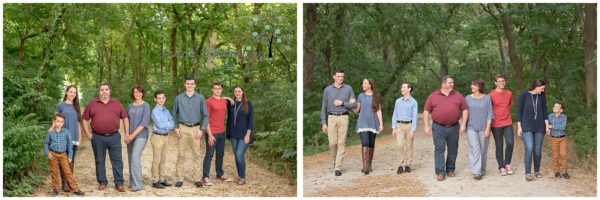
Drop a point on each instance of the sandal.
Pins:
(538, 175)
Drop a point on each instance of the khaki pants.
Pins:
(187, 144)
(405, 156)
(559, 154)
(337, 127)
(61, 160)
(159, 156)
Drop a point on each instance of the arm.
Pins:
(426, 126)
(250, 123)
(519, 114)
(204, 113)
(415, 116)
(69, 146)
(380, 120)
(350, 104)
(126, 125)
(324, 109)
(463, 123)
(490, 117)
(79, 124)
(357, 108)
(395, 117)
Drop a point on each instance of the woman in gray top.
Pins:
(478, 127)
(69, 107)
(137, 136)
(369, 122)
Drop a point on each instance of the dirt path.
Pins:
(259, 182)
(319, 179)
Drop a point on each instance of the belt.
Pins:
(444, 125)
(404, 122)
(190, 125)
(102, 134)
(56, 151)
(338, 113)
(562, 136)
(161, 134)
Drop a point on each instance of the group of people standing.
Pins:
(100, 121)
(478, 114)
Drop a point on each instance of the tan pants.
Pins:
(559, 154)
(337, 127)
(61, 160)
(159, 156)
(405, 155)
(186, 145)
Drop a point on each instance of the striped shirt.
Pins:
(59, 142)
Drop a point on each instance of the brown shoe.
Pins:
(441, 177)
(451, 174)
(102, 187)
(241, 181)
(120, 188)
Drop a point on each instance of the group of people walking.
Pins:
(101, 118)
(478, 114)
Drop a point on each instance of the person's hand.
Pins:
(427, 131)
(211, 139)
(549, 126)
(487, 133)
(394, 132)
(178, 133)
(519, 131)
(50, 156)
(337, 102)
(89, 136)
(412, 134)
(70, 160)
(352, 100)
(462, 129)
(547, 130)
(78, 142)
(324, 128)
(126, 138)
(246, 139)
(198, 135)
(380, 127)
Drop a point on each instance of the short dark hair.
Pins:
(480, 84)
(103, 84)
(409, 85)
(158, 92)
(497, 76)
(139, 89)
(217, 82)
(58, 115)
(536, 83)
(338, 71)
(562, 106)
(445, 78)
(189, 78)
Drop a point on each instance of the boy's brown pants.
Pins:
(559, 154)
(61, 160)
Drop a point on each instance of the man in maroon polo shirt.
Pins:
(104, 113)
(446, 107)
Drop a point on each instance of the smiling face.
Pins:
(238, 93)
(338, 78)
(190, 85)
(160, 99)
(557, 108)
(104, 92)
(71, 94)
(366, 85)
(137, 95)
(474, 88)
(217, 90)
(500, 83)
(448, 84)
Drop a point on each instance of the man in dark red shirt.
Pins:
(446, 107)
(104, 113)
(215, 140)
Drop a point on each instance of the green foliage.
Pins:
(25, 165)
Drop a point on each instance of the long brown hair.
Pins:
(376, 104)
(75, 100)
(244, 99)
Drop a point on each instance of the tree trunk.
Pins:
(503, 68)
(589, 41)
(512, 46)
(309, 48)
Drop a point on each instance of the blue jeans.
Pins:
(239, 149)
(134, 155)
(502, 134)
(112, 143)
(533, 144)
(367, 139)
(219, 147)
(442, 137)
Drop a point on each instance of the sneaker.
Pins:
(407, 169)
(509, 170)
(198, 184)
(477, 177)
(503, 171)
(528, 177)
(566, 176)
(54, 193)
(158, 185)
(557, 175)
(400, 170)
(165, 183)
(338, 173)
(79, 193)
(206, 181)
(178, 184)
(224, 178)
(241, 181)
(451, 174)
(441, 177)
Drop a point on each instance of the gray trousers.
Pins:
(478, 146)
(134, 153)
